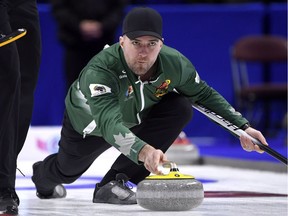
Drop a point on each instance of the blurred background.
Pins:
(205, 32)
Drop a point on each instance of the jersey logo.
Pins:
(125, 142)
(129, 91)
(123, 75)
(163, 88)
(98, 89)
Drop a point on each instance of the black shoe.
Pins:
(59, 191)
(115, 192)
(9, 201)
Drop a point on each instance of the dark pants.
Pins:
(19, 65)
(162, 126)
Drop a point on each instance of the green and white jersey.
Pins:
(108, 98)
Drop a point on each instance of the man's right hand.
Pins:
(152, 158)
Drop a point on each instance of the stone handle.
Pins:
(172, 165)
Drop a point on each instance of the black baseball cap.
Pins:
(142, 21)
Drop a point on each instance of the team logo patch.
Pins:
(162, 89)
(129, 91)
(98, 89)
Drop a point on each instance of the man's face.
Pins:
(141, 53)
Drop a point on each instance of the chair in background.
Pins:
(255, 99)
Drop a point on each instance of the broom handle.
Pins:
(237, 131)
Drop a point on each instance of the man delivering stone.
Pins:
(135, 95)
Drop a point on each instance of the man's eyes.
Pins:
(135, 43)
(150, 44)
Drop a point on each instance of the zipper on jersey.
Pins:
(90, 127)
(141, 88)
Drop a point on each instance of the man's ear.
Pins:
(121, 41)
(162, 43)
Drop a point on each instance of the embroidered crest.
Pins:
(129, 91)
(162, 89)
(98, 89)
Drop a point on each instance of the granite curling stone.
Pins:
(171, 192)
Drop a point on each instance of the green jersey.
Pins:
(108, 98)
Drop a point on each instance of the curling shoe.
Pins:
(115, 192)
(59, 190)
(9, 201)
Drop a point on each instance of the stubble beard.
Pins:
(140, 70)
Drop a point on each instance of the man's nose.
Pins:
(143, 51)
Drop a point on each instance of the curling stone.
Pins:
(172, 192)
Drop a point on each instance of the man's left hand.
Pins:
(247, 143)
